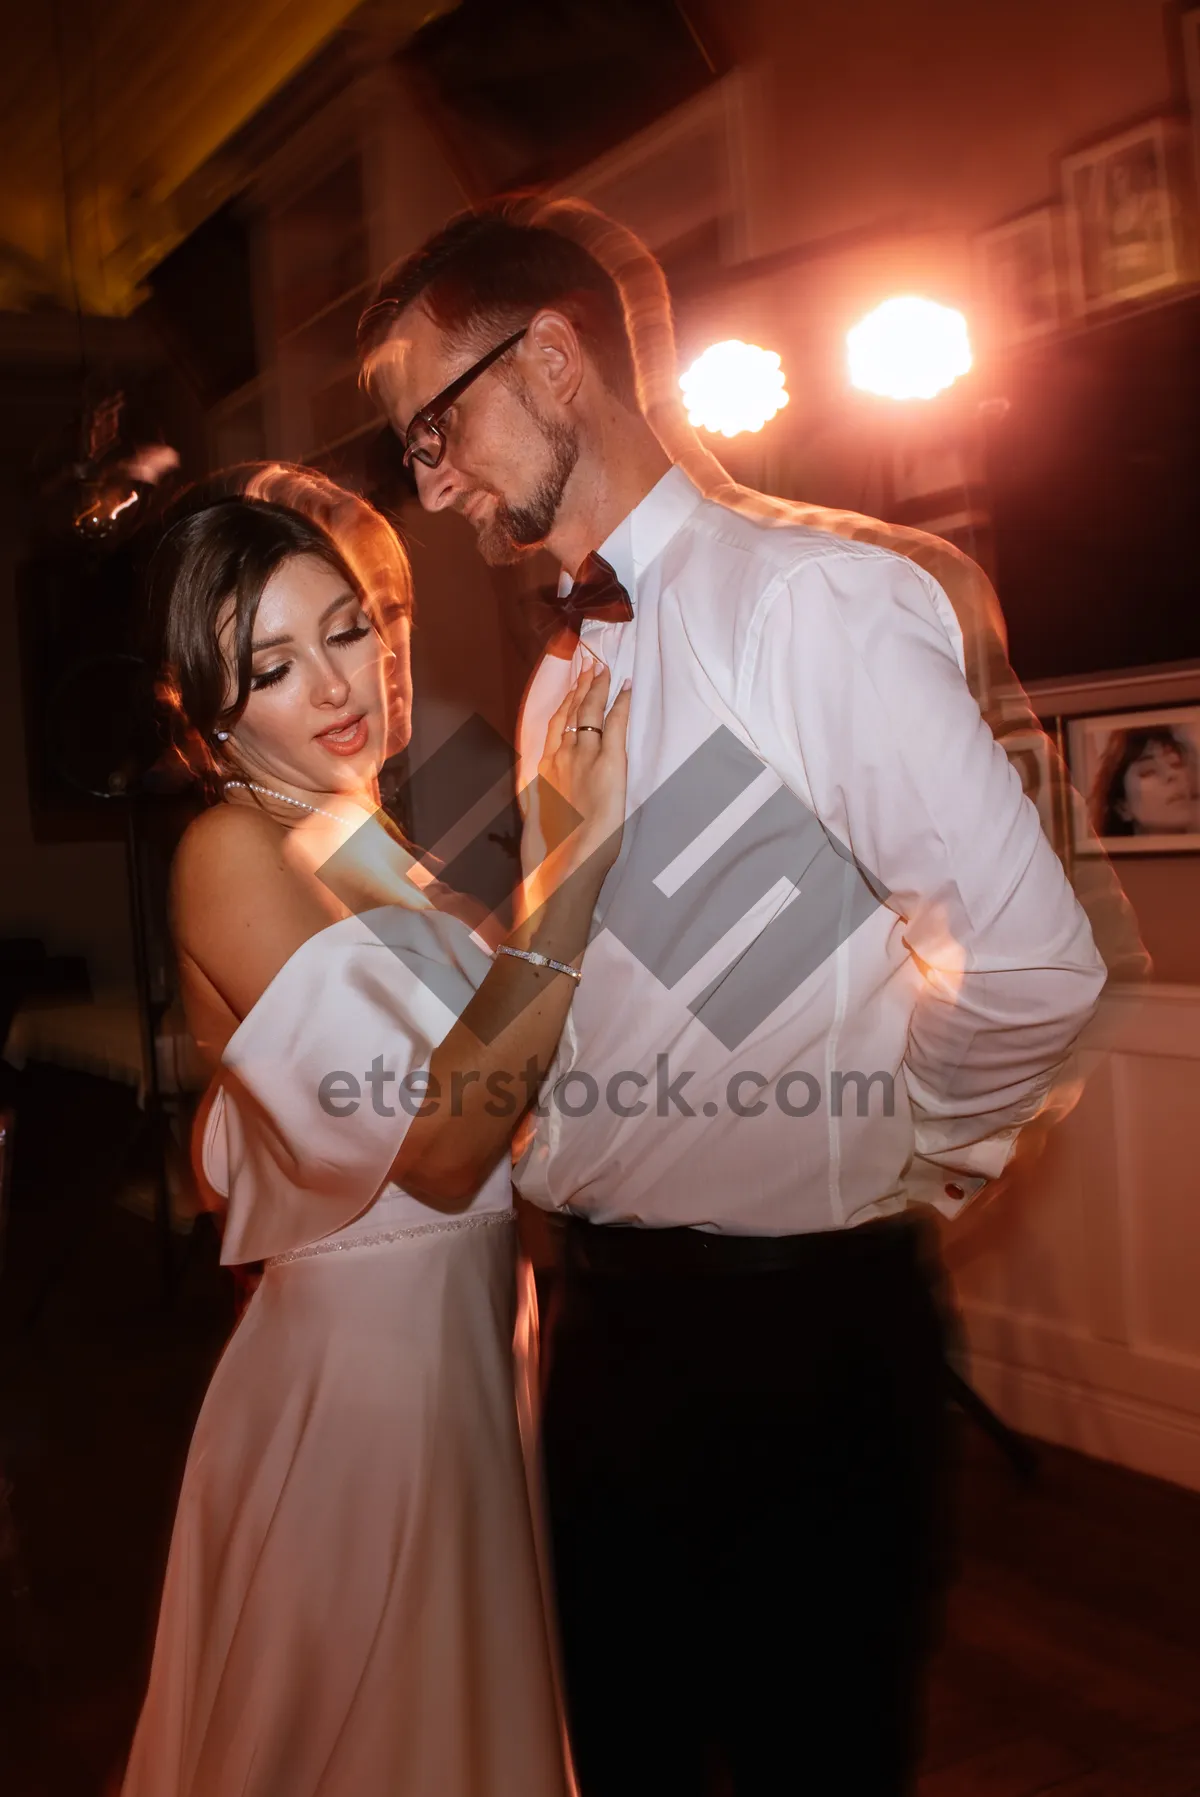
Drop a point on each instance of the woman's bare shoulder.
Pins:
(226, 829)
(240, 907)
(221, 853)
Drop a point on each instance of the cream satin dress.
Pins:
(352, 1604)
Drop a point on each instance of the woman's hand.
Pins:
(509, 1030)
(583, 770)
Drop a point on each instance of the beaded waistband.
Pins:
(376, 1238)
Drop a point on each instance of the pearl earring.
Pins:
(222, 736)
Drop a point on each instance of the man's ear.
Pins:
(553, 356)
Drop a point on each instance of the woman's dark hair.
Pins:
(226, 551)
(1108, 790)
(489, 272)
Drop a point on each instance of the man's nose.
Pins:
(437, 487)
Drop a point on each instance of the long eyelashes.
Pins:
(343, 639)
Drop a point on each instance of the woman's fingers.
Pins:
(559, 722)
(585, 765)
(562, 730)
(579, 733)
(579, 692)
(589, 717)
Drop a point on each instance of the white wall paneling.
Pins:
(1078, 1288)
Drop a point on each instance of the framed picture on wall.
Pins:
(1019, 268)
(1128, 217)
(1029, 752)
(1139, 775)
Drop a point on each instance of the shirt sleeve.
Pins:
(859, 702)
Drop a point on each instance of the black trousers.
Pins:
(745, 1448)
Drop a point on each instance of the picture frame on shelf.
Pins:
(1020, 277)
(1128, 216)
(1138, 773)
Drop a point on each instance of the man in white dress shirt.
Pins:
(837, 968)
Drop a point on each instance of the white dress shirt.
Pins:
(837, 964)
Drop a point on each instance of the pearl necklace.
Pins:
(270, 793)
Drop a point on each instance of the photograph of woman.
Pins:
(352, 1603)
(1141, 773)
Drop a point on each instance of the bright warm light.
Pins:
(734, 387)
(909, 349)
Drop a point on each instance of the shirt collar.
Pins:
(646, 530)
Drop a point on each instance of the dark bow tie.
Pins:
(597, 593)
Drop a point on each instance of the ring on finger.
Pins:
(596, 727)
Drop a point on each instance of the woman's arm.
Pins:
(486, 1073)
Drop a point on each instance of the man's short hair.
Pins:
(488, 272)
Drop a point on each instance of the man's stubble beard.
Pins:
(515, 532)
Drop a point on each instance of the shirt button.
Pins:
(955, 1192)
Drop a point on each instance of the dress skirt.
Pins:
(352, 1604)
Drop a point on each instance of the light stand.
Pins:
(132, 773)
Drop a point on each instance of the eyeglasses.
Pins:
(424, 440)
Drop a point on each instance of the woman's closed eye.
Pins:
(341, 639)
(354, 634)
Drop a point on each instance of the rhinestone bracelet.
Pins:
(536, 960)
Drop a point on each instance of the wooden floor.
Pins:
(1071, 1661)
(1071, 1658)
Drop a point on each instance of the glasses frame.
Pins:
(431, 415)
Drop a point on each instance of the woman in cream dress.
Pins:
(352, 1605)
